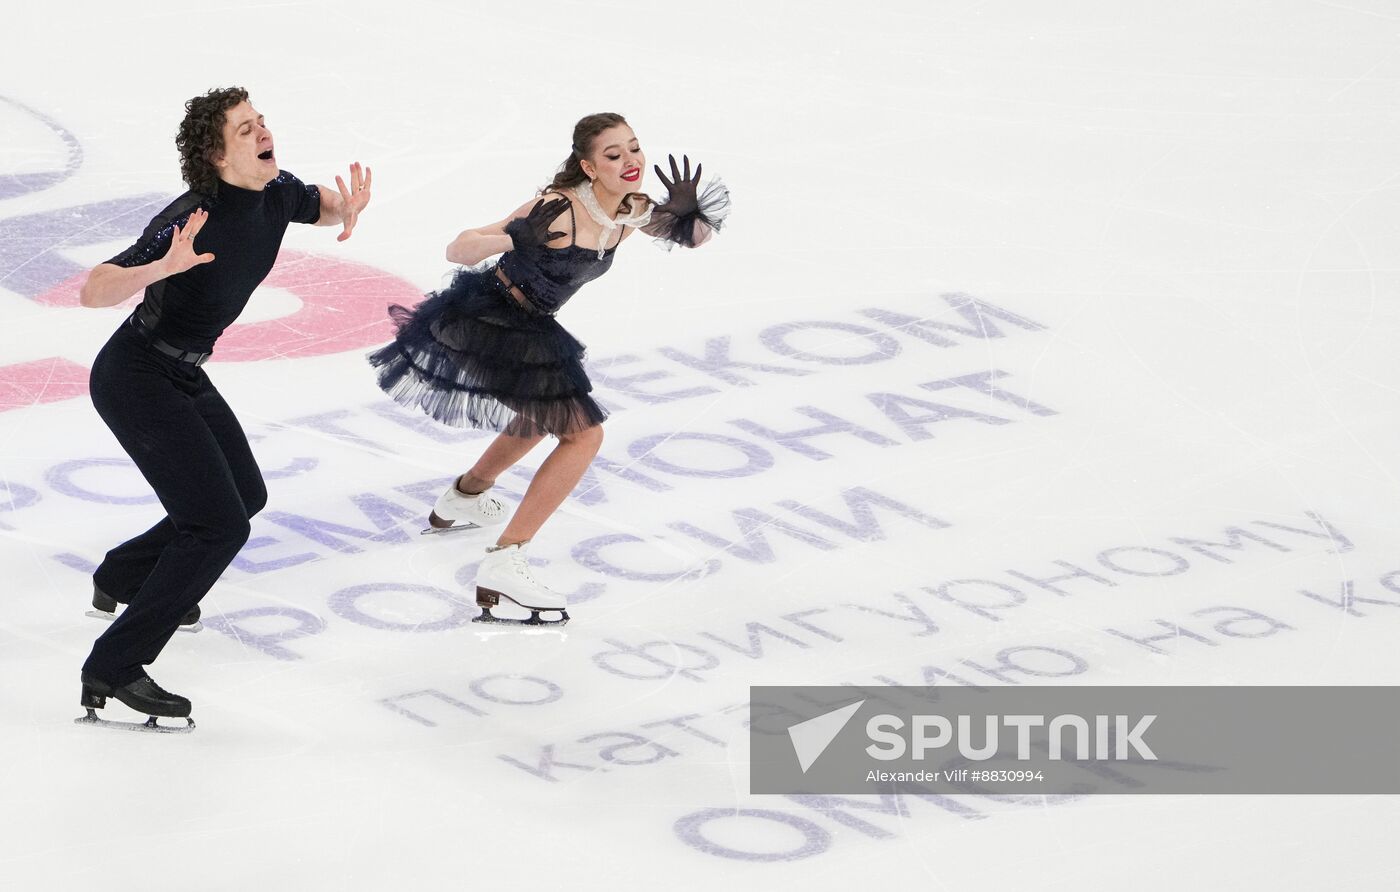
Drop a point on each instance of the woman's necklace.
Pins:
(589, 200)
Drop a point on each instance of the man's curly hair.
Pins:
(201, 136)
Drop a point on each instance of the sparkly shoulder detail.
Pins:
(155, 240)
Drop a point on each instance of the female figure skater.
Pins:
(149, 386)
(486, 352)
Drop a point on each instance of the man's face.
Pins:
(247, 160)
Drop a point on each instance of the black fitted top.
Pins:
(244, 232)
(548, 277)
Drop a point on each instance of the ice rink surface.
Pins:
(1038, 330)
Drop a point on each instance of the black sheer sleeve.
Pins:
(691, 222)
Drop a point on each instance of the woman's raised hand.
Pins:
(682, 199)
(532, 230)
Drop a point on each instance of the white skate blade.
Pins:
(109, 617)
(149, 726)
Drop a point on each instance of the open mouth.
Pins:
(265, 156)
(633, 175)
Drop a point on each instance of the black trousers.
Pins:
(188, 445)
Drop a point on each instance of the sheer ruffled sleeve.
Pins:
(692, 228)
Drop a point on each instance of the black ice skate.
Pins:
(456, 510)
(142, 695)
(505, 574)
(104, 606)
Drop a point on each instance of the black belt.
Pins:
(518, 294)
(195, 359)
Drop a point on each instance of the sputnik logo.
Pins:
(811, 738)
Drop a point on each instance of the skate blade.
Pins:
(195, 626)
(455, 528)
(487, 598)
(149, 726)
(534, 622)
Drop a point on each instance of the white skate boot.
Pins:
(505, 574)
(455, 510)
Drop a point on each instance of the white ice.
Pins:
(1192, 208)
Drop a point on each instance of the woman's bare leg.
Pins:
(552, 483)
(498, 458)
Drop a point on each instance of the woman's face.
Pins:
(616, 162)
(247, 160)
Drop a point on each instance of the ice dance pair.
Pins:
(485, 352)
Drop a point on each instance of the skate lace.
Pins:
(155, 688)
(490, 507)
(521, 566)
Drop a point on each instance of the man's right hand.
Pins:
(181, 255)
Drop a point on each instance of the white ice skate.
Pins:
(505, 574)
(455, 510)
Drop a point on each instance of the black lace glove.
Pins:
(689, 214)
(532, 230)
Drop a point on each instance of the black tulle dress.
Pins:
(473, 355)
